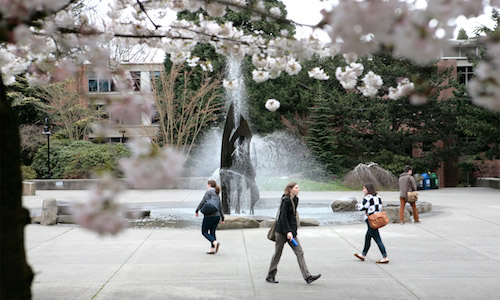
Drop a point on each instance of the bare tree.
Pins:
(182, 115)
(66, 109)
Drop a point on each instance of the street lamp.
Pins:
(46, 131)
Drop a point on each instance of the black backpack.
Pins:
(211, 205)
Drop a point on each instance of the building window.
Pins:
(100, 85)
(464, 74)
(136, 77)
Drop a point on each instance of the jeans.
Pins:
(373, 233)
(208, 228)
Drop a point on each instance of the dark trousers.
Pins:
(280, 242)
(208, 228)
(373, 233)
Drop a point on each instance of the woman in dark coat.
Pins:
(211, 220)
(286, 232)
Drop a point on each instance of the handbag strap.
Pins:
(293, 205)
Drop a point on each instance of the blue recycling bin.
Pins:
(427, 181)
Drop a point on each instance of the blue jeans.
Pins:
(373, 233)
(208, 228)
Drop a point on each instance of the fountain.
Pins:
(237, 174)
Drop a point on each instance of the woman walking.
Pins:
(211, 208)
(371, 204)
(286, 232)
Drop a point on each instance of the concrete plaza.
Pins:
(452, 254)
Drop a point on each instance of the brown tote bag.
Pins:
(378, 220)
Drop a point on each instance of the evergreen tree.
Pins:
(320, 135)
(462, 34)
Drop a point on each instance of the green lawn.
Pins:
(279, 184)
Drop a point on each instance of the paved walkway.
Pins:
(452, 254)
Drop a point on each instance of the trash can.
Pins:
(434, 181)
(419, 181)
(427, 181)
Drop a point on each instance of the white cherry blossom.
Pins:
(485, 86)
(275, 11)
(404, 88)
(293, 67)
(318, 73)
(231, 84)
(260, 76)
(272, 104)
(347, 78)
(215, 9)
(371, 84)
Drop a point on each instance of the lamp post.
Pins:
(46, 131)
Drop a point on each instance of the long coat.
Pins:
(287, 220)
(406, 184)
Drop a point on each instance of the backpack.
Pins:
(211, 205)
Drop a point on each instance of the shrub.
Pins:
(78, 159)
(28, 173)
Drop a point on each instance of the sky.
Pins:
(310, 14)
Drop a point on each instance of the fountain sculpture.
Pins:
(237, 173)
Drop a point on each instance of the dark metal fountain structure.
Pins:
(237, 173)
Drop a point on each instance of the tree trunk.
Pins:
(16, 274)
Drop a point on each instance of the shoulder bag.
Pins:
(271, 234)
(378, 220)
(412, 196)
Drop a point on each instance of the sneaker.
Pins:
(312, 278)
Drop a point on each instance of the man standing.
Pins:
(407, 184)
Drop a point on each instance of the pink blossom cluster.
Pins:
(101, 213)
(149, 168)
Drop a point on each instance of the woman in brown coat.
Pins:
(407, 184)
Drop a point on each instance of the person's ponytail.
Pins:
(217, 190)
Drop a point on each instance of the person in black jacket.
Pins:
(286, 231)
(211, 221)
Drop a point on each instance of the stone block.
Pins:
(309, 222)
(238, 222)
(29, 188)
(344, 204)
(136, 213)
(266, 223)
(49, 212)
(36, 219)
(66, 219)
(64, 208)
(392, 212)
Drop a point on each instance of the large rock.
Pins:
(66, 219)
(344, 204)
(266, 223)
(392, 211)
(49, 212)
(237, 222)
(309, 222)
